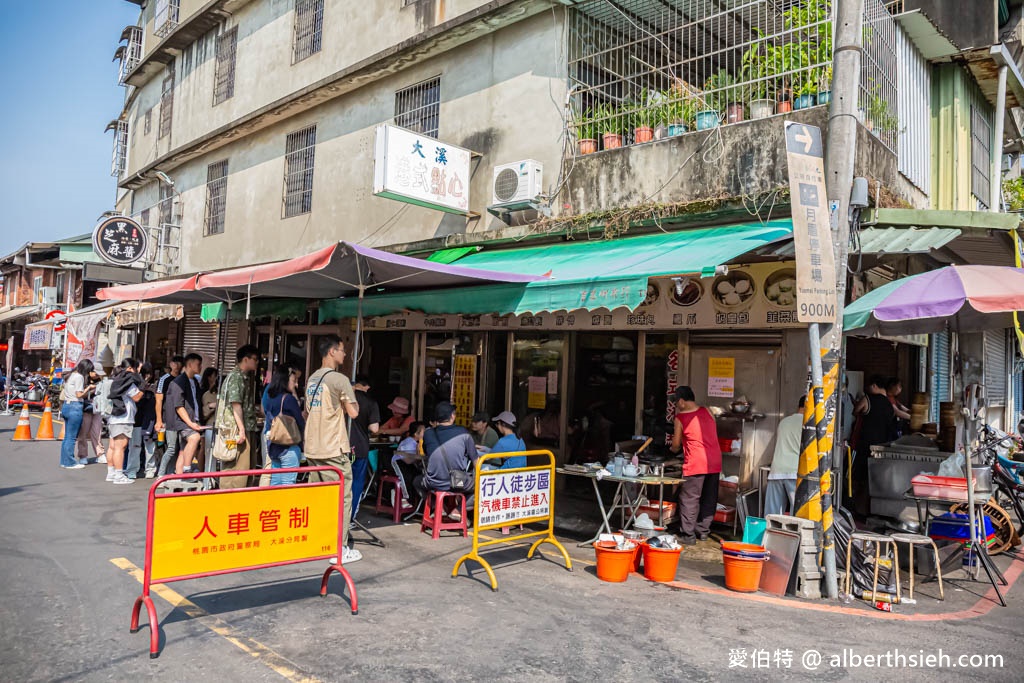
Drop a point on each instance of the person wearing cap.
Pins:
(481, 431)
(696, 435)
(401, 418)
(510, 441)
(448, 447)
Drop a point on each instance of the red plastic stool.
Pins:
(384, 505)
(436, 521)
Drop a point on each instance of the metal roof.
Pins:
(905, 240)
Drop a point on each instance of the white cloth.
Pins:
(129, 410)
(72, 385)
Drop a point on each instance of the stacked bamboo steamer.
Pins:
(919, 411)
(947, 426)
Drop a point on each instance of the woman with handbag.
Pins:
(284, 425)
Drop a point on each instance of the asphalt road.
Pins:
(64, 610)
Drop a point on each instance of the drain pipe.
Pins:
(995, 183)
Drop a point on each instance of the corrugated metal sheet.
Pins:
(905, 240)
(994, 367)
(940, 380)
(951, 120)
(914, 86)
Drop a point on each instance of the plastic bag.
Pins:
(953, 466)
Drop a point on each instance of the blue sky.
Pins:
(59, 92)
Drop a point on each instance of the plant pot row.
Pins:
(705, 120)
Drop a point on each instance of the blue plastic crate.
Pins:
(956, 527)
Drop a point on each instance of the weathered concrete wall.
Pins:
(500, 96)
(746, 158)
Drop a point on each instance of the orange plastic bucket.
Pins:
(741, 574)
(638, 555)
(613, 565)
(660, 564)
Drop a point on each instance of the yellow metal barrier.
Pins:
(501, 498)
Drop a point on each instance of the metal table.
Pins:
(924, 516)
(619, 501)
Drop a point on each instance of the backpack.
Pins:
(101, 403)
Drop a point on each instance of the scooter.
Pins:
(30, 391)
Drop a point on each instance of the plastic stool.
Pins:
(396, 510)
(914, 540)
(436, 521)
(879, 540)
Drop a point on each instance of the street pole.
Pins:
(840, 154)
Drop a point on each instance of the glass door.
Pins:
(536, 387)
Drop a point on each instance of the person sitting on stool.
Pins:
(448, 447)
(696, 435)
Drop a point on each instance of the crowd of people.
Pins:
(169, 421)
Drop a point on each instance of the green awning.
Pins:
(587, 274)
(287, 309)
(447, 256)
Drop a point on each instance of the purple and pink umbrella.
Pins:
(959, 298)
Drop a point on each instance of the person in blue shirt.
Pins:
(278, 398)
(509, 441)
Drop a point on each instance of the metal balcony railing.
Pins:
(166, 17)
(684, 65)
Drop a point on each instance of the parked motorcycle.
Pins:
(28, 389)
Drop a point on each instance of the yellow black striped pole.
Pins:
(808, 489)
(825, 433)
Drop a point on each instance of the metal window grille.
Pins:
(166, 19)
(685, 64)
(981, 155)
(120, 156)
(308, 30)
(915, 113)
(418, 107)
(224, 77)
(131, 52)
(166, 235)
(300, 148)
(216, 197)
(166, 102)
(147, 121)
(878, 72)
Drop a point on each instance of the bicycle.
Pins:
(1007, 481)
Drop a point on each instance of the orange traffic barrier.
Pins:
(45, 431)
(24, 429)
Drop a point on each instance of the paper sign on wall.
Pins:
(537, 392)
(722, 377)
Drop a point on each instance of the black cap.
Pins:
(481, 416)
(444, 411)
(684, 393)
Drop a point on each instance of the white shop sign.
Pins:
(417, 169)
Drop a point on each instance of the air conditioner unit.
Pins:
(517, 185)
(48, 296)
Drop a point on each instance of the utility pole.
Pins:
(840, 154)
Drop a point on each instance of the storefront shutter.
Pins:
(995, 367)
(939, 371)
(201, 338)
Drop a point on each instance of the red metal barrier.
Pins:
(180, 556)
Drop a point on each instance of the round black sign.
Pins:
(120, 240)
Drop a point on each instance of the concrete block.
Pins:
(789, 523)
(808, 586)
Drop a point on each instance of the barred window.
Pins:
(307, 34)
(166, 206)
(120, 160)
(418, 107)
(981, 156)
(298, 171)
(216, 197)
(224, 77)
(166, 103)
(148, 121)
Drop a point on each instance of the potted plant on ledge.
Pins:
(759, 72)
(609, 122)
(586, 132)
(646, 116)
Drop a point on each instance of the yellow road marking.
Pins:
(270, 659)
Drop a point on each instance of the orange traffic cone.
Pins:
(63, 426)
(24, 429)
(45, 431)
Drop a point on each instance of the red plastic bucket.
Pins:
(660, 564)
(613, 565)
